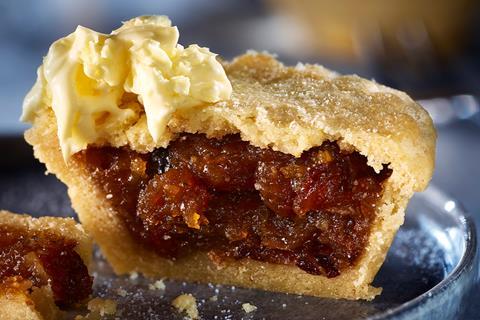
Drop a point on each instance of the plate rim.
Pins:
(467, 259)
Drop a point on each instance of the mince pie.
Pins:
(295, 180)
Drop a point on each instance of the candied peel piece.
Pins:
(176, 193)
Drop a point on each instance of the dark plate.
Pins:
(428, 273)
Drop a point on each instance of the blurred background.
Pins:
(430, 49)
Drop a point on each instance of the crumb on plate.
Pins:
(188, 304)
(98, 308)
(133, 275)
(157, 285)
(248, 307)
(121, 292)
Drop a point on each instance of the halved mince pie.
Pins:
(43, 266)
(297, 182)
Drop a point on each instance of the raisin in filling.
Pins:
(44, 258)
(234, 200)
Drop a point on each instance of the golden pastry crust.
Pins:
(63, 227)
(18, 306)
(18, 300)
(289, 109)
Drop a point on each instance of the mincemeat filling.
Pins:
(44, 258)
(233, 200)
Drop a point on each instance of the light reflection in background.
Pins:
(411, 45)
(362, 30)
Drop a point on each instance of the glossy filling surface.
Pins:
(44, 258)
(233, 200)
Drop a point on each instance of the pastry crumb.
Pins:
(102, 306)
(157, 285)
(98, 308)
(248, 307)
(122, 292)
(188, 304)
(133, 275)
(213, 298)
